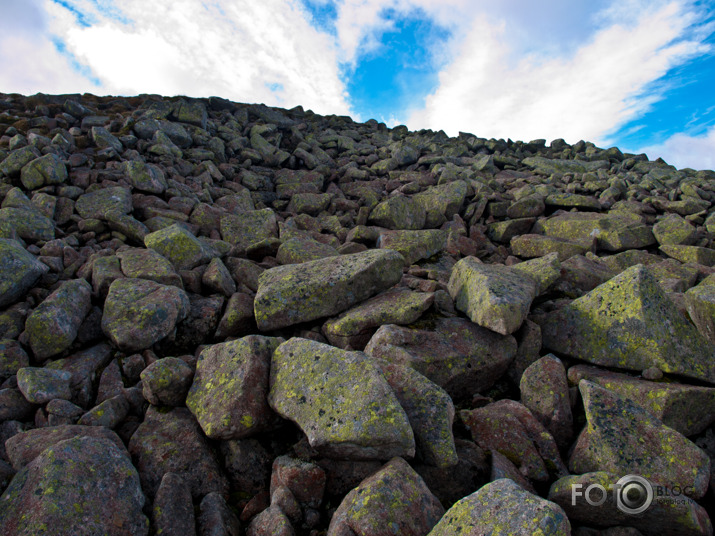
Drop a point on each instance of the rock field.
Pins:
(230, 319)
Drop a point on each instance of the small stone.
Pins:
(40, 385)
(173, 510)
(218, 279)
(166, 382)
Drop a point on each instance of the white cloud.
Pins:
(585, 95)
(246, 51)
(682, 150)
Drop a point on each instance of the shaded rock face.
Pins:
(223, 318)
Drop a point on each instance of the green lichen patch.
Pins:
(533, 245)
(674, 229)
(414, 245)
(683, 253)
(545, 270)
(398, 212)
(629, 323)
(175, 243)
(247, 228)
(442, 202)
(340, 400)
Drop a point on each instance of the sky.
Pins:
(636, 74)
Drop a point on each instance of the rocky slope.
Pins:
(219, 318)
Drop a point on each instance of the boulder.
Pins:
(293, 294)
(19, 271)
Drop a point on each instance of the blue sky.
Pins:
(632, 73)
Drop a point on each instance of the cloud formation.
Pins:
(682, 150)
(583, 95)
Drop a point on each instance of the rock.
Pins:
(441, 202)
(511, 429)
(545, 271)
(104, 271)
(534, 245)
(292, 294)
(228, 395)
(430, 411)
(685, 408)
(144, 264)
(145, 177)
(247, 228)
(12, 358)
(353, 328)
(79, 486)
(305, 481)
(493, 296)
(166, 382)
(504, 231)
(83, 367)
(270, 522)
(40, 385)
(309, 203)
(395, 500)
(19, 271)
(527, 207)
(102, 203)
(215, 517)
(545, 392)
(238, 319)
(612, 232)
(674, 229)
(29, 225)
(12, 165)
(605, 444)
(218, 279)
(173, 510)
(247, 464)
(503, 507)
(44, 171)
(628, 322)
(297, 250)
(340, 400)
(454, 353)
(104, 139)
(14, 406)
(663, 516)
(700, 303)
(198, 327)
(172, 442)
(109, 413)
(413, 245)
(398, 212)
(175, 243)
(138, 313)
(53, 325)
(700, 255)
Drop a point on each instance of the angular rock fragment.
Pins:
(172, 442)
(395, 500)
(145, 264)
(292, 294)
(247, 228)
(80, 486)
(175, 243)
(100, 204)
(29, 225)
(297, 250)
(46, 170)
(503, 507)
(340, 400)
(413, 245)
(493, 296)
(40, 385)
(173, 510)
(19, 271)
(688, 409)
(353, 328)
(166, 382)
(629, 323)
(398, 212)
(53, 325)
(138, 312)
(534, 245)
(661, 454)
(228, 395)
(459, 356)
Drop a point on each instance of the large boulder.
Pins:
(629, 323)
(298, 293)
(78, 487)
(44, 171)
(105, 202)
(659, 453)
(175, 243)
(340, 400)
(414, 245)
(248, 228)
(398, 212)
(228, 396)
(138, 312)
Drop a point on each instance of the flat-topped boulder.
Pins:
(297, 293)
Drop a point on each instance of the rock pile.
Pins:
(220, 318)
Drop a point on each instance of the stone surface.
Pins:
(79, 486)
(663, 455)
(178, 245)
(19, 271)
(493, 296)
(292, 294)
(502, 507)
(228, 395)
(628, 322)
(395, 500)
(340, 400)
(457, 355)
(166, 382)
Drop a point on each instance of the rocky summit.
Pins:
(231, 319)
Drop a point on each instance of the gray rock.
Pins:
(44, 171)
(40, 385)
(19, 271)
(101, 203)
(166, 382)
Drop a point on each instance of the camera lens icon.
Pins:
(634, 494)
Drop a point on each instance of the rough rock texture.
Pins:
(198, 279)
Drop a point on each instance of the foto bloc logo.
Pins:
(633, 494)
